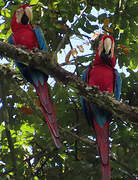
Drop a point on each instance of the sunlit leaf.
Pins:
(26, 128)
(25, 135)
(33, 2)
(5, 12)
(133, 66)
(2, 26)
(2, 36)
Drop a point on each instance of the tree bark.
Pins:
(43, 62)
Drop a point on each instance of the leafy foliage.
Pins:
(26, 148)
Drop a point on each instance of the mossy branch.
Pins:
(43, 62)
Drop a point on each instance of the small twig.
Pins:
(9, 72)
(74, 135)
(44, 162)
(132, 173)
(79, 16)
(84, 35)
(66, 35)
(73, 60)
(93, 143)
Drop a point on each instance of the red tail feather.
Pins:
(102, 135)
(48, 111)
(52, 127)
(106, 172)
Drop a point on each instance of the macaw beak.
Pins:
(107, 45)
(29, 13)
(24, 16)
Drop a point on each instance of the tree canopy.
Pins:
(27, 148)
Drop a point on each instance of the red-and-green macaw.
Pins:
(104, 76)
(25, 35)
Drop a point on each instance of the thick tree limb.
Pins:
(42, 61)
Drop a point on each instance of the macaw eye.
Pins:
(19, 11)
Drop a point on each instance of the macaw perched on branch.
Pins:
(23, 34)
(103, 75)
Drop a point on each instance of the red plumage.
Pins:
(102, 136)
(48, 111)
(102, 75)
(24, 35)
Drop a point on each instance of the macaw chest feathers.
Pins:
(106, 58)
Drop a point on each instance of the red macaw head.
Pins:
(22, 16)
(106, 46)
(105, 52)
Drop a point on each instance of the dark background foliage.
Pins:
(26, 147)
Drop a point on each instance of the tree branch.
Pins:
(86, 140)
(42, 61)
(130, 172)
(5, 119)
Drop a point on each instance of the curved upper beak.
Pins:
(20, 12)
(107, 45)
(29, 13)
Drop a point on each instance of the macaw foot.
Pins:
(35, 50)
(22, 47)
(105, 93)
(96, 87)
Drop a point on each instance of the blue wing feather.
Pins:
(42, 45)
(10, 40)
(118, 85)
(86, 106)
(31, 74)
(40, 39)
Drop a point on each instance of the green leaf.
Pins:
(102, 17)
(91, 17)
(34, 2)
(5, 12)
(2, 26)
(36, 156)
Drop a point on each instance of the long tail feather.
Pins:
(102, 135)
(54, 132)
(48, 111)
